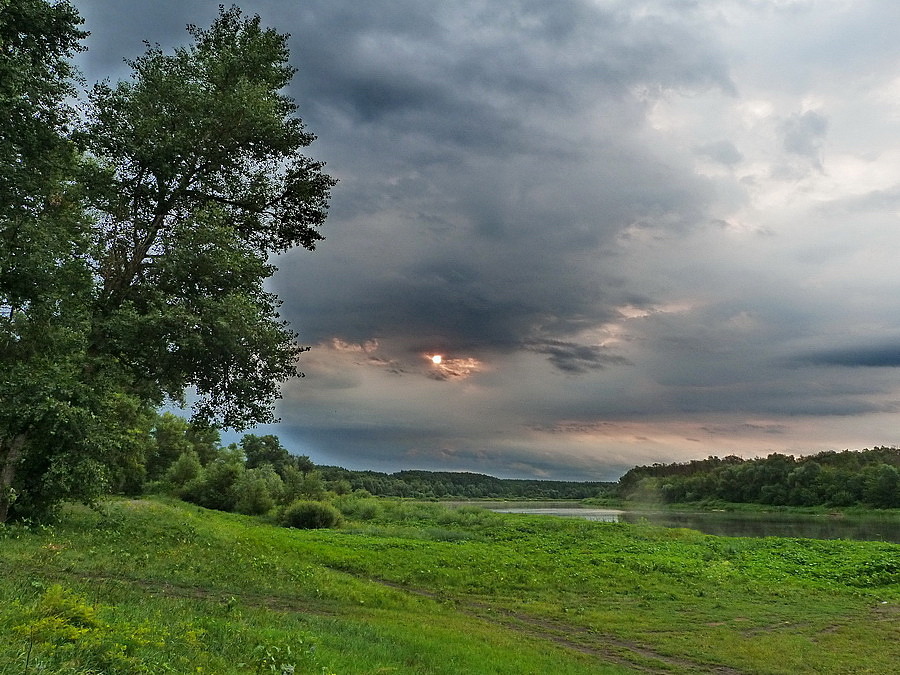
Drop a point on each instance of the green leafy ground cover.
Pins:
(157, 586)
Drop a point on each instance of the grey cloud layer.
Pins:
(506, 146)
(639, 230)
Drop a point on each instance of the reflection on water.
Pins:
(601, 515)
(862, 528)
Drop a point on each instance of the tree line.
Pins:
(256, 475)
(868, 477)
(463, 485)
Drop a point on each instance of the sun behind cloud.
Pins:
(445, 368)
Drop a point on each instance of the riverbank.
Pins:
(855, 523)
(161, 586)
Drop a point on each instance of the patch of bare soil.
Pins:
(887, 611)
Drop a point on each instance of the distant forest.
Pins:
(443, 484)
(848, 478)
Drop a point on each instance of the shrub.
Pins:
(299, 485)
(307, 515)
(408, 512)
(184, 469)
(256, 491)
(359, 507)
(67, 636)
(214, 487)
(253, 497)
(469, 517)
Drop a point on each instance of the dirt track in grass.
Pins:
(604, 647)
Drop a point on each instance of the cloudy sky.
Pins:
(634, 231)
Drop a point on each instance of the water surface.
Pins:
(868, 527)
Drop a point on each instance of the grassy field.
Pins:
(158, 586)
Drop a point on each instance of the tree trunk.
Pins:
(10, 453)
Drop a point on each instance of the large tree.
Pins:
(192, 176)
(44, 235)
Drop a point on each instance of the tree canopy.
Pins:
(866, 478)
(135, 240)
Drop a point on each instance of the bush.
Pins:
(359, 507)
(67, 636)
(253, 497)
(257, 490)
(184, 469)
(306, 515)
(299, 485)
(214, 487)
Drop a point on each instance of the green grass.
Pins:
(158, 586)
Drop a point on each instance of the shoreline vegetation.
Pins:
(156, 585)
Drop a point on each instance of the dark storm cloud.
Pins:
(458, 126)
(420, 65)
(393, 449)
(119, 29)
(575, 358)
(476, 109)
(871, 356)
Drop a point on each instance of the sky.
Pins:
(634, 231)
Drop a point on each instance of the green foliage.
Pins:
(171, 442)
(177, 444)
(465, 485)
(37, 39)
(44, 278)
(252, 496)
(88, 455)
(339, 487)
(135, 249)
(303, 485)
(205, 440)
(65, 634)
(882, 486)
(252, 477)
(68, 608)
(359, 505)
(869, 477)
(257, 490)
(214, 488)
(310, 515)
(185, 469)
(267, 449)
(200, 178)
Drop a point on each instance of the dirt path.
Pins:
(577, 638)
(605, 647)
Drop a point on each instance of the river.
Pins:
(861, 527)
